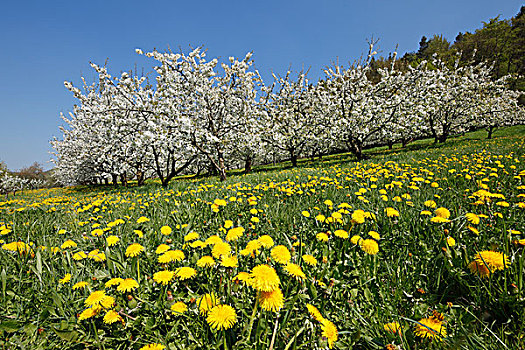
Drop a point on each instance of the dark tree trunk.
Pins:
(248, 162)
(140, 178)
(114, 179)
(124, 179)
(106, 181)
(390, 144)
(293, 159)
(490, 131)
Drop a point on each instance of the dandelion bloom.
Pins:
(222, 317)
(127, 285)
(153, 346)
(95, 298)
(314, 312)
(206, 261)
(341, 234)
(79, 285)
(142, 219)
(358, 216)
(488, 261)
(295, 270)
(392, 327)
(234, 233)
(242, 276)
(162, 248)
(439, 220)
(66, 279)
(355, 239)
(329, 331)
(112, 240)
(228, 223)
(107, 302)
(171, 256)
(134, 250)
(68, 244)
(271, 301)
(391, 212)
(430, 328)
(430, 204)
(165, 230)
(264, 278)
(220, 249)
(89, 312)
(305, 214)
(191, 236)
(113, 282)
(163, 276)
(472, 218)
(212, 240)
(310, 260)
(207, 302)
(451, 241)
(442, 213)
(374, 235)
(229, 261)
(369, 246)
(111, 317)
(322, 237)
(265, 241)
(185, 273)
(179, 308)
(281, 254)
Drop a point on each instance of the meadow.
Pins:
(416, 248)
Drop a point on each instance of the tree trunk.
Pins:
(390, 144)
(124, 179)
(140, 178)
(106, 181)
(490, 130)
(114, 179)
(248, 164)
(293, 158)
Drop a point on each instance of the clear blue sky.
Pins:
(43, 43)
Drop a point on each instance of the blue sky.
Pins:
(43, 43)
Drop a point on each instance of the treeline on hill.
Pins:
(500, 41)
(201, 115)
(30, 177)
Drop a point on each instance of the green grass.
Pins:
(414, 273)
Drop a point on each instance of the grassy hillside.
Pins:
(418, 248)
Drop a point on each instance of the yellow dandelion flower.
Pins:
(451, 241)
(162, 248)
(430, 328)
(374, 235)
(68, 244)
(228, 224)
(142, 219)
(358, 216)
(392, 327)
(264, 278)
(222, 317)
(271, 301)
(229, 261)
(207, 302)
(95, 298)
(305, 214)
(79, 285)
(314, 312)
(295, 270)
(107, 302)
(439, 220)
(322, 237)
(221, 248)
(329, 331)
(134, 250)
(113, 282)
(310, 260)
(242, 277)
(391, 212)
(79, 256)
(112, 240)
(171, 256)
(493, 260)
(442, 213)
(179, 308)
(163, 277)
(165, 230)
(369, 246)
(355, 239)
(185, 273)
(127, 285)
(430, 204)
(139, 233)
(341, 234)
(472, 218)
(191, 236)
(265, 241)
(112, 316)
(89, 312)
(281, 254)
(234, 233)
(66, 279)
(153, 346)
(206, 261)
